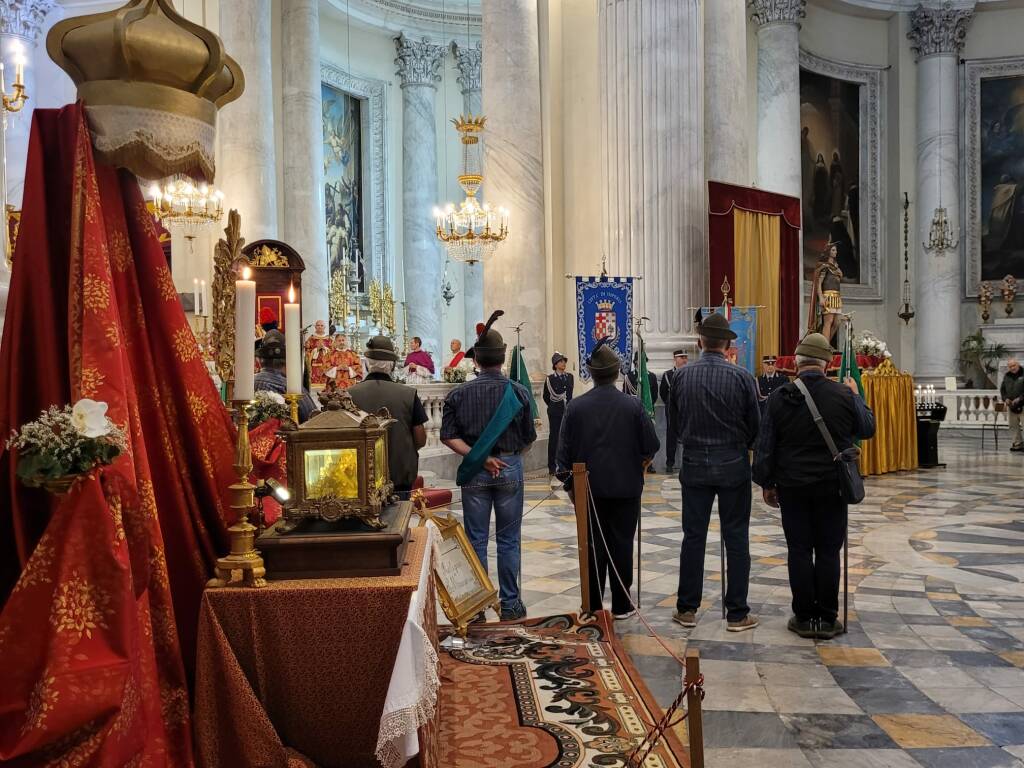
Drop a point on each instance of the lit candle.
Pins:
(204, 294)
(245, 336)
(197, 308)
(19, 70)
(293, 344)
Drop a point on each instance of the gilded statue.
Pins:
(826, 306)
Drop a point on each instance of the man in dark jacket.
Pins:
(557, 394)
(611, 433)
(793, 465)
(1012, 393)
(679, 359)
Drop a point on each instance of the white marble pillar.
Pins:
(246, 168)
(652, 84)
(726, 151)
(515, 278)
(937, 38)
(470, 78)
(304, 227)
(419, 65)
(778, 93)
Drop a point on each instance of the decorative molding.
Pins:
(764, 12)
(469, 63)
(24, 18)
(874, 195)
(419, 61)
(974, 72)
(416, 18)
(938, 31)
(372, 125)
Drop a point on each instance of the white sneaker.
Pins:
(623, 616)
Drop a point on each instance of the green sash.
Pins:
(473, 461)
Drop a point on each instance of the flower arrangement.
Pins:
(454, 375)
(266, 406)
(869, 344)
(66, 442)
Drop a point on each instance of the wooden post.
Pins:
(846, 578)
(580, 486)
(694, 719)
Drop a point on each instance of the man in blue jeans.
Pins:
(488, 421)
(718, 416)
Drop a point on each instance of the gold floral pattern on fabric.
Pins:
(120, 250)
(80, 607)
(158, 567)
(185, 346)
(37, 570)
(113, 335)
(174, 703)
(91, 380)
(129, 707)
(167, 290)
(115, 513)
(198, 406)
(95, 293)
(40, 703)
(145, 219)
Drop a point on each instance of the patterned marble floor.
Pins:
(931, 672)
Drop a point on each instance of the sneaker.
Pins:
(687, 619)
(623, 616)
(801, 628)
(829, 629)
(513, 614)
(1017, 448)
(747, 622)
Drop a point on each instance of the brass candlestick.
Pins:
(244, 556)
(293, 407)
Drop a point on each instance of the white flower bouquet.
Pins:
(869, 344)
(66, 442)
(266, 406)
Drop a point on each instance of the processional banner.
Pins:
(604, 307)
(743, 322)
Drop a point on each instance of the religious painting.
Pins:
(994, 177)
(343, 184)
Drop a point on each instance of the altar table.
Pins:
(890, 395)
(321, 673)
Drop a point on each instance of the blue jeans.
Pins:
(505, 494)
(706, 473)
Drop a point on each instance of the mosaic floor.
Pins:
(931, 672)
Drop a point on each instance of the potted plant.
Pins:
(65, 443)
(977, 356)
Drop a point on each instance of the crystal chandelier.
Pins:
(942, 236)
(183, 204)
(472, 231)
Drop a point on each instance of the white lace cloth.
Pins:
(412, 694)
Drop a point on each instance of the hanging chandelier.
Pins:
(942, 236)
(907, 313)
(472, 231)
(183, 204)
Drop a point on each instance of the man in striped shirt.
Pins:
(716, 407)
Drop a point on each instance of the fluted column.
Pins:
(726, 151)
(302, 121)
(515, 277)
(652, 83)
(419, 64)
(470, 79)
(937, 38)
(246, 170)
(778, 93)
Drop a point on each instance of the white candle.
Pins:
(245, 336)
(204, 294)
(293, 344)
(196, 307)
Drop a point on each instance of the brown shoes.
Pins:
(687, 619)
(747, 622)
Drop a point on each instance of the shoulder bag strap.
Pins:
(818, 421)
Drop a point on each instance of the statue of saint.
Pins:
(826, 302)
(318, 352)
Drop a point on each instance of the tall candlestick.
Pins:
(204, 294)
(293, 344)
(245, 336)
(196, 307)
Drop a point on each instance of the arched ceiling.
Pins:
(438, 19)
(888, 7)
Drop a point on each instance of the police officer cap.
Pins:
(768, 359)
(381, 348)
(271, 346)
(680, 353)
(815, 345)
(557, 358)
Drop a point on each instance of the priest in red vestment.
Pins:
(457, 354)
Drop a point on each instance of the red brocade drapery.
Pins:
(723, 199)
(102, 586)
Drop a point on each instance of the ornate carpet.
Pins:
(546, 692)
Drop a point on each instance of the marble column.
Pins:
(470, 78)
(778, 93)
(937, 37)
(652, 84)
(515, 278)
(304, 227)
(419, 67)
(246, 167)
(726, 151)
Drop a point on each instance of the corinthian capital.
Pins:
(419, 61)
(24, 18)
(938, 30)
(469, 61)
(776, 11)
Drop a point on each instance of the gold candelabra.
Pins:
(389, 310)
(293, 407)
(13, 103)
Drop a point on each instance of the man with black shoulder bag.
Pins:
(805, 461)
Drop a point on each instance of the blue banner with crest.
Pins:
(604, 307)
(742, 322)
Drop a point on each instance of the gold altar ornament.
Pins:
(226, 256)
(268, 256)
(338, 465)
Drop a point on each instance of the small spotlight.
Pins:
(270, 487)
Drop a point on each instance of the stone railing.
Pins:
(971, 408)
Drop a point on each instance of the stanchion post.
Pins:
(639, 556)
(694, 718)
(581, 494)
(721, 565)
(846, 577)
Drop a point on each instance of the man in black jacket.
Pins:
(611, 433)
(679, 360)
(1012, 393)
(794, 467)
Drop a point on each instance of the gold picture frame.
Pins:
(463, 585)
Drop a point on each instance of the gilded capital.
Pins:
(24, 18)
(938, 30)
(419, 61)
(469, 62)
(777, 11)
